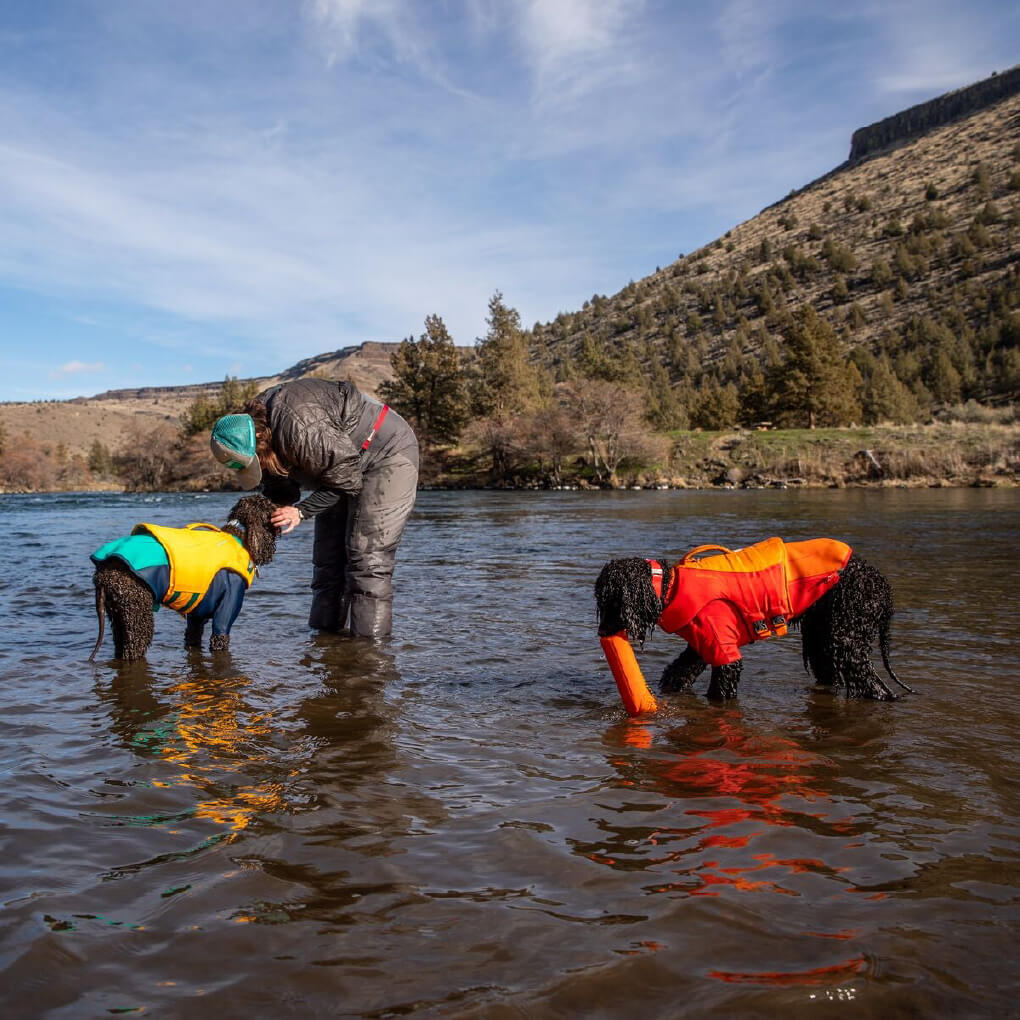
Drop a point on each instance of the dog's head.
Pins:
(251, 515)
(626, 600)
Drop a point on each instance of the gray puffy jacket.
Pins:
(316, 426)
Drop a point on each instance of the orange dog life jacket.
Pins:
(721, 602)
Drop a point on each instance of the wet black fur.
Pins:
(127, 601)
(838, 632)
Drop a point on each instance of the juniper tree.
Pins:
(504, 381)
(100, 460)
(427, 387)
(203, 411)
(665, 411)
(504, 384)
(885, 397)
(814, 386)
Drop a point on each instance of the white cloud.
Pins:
(571, 30)
(351, 27)
(577, 47)
(320, 178)
(77, 368)
(748, 34)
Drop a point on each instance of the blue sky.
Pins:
(190, 190)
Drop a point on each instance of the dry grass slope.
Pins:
(868, 208)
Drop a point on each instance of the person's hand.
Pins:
(286, 518)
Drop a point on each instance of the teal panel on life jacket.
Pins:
(137, 551)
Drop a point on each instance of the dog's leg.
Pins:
(219, 643)
(724, 681)
(681, 673)
(141, 630)
(816, 641)
(193, 632)
(839, 630)
(860, 678)
(129, 606)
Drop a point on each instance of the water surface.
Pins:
(463, 822)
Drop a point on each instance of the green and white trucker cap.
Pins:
(233, 443)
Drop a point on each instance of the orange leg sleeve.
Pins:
(627, 674)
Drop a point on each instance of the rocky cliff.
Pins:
(925, 117)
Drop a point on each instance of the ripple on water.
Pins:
(463, 821)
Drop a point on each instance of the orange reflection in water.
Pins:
(833, 974)
(217, 742)
(769, 781)
(218, 736)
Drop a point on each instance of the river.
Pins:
(462, 822)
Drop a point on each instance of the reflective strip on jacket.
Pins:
(722, 602)
(196, 553)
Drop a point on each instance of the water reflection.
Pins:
(731, 785)
(214, 739)
(339, 855)
(454, 827)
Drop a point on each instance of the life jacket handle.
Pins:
(701, 549)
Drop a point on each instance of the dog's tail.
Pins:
(101, 613)
(883, 644)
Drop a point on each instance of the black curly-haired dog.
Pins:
(201, 571)
(841, 609)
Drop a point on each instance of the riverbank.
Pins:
(952, 455)
(957, 454)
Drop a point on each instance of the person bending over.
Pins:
(359, 458)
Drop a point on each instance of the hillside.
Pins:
(908, 248)
(907, 252)
(107, 417)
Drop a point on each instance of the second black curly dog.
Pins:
(838, 630)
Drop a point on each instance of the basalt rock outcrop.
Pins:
(924, 117)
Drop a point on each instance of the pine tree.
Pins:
(942, 378)
(716, 406)
(427, 386)
(814, 386)
(885, 398)
(100, 460)
(664, 408)
(504, 380)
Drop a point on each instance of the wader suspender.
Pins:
(375, 427)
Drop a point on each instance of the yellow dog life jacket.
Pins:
(196, 552)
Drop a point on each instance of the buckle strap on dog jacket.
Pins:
(656, 578)
(196, 553)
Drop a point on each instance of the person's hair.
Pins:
(270, 460)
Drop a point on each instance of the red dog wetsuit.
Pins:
(722, 602)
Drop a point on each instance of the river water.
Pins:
(462, 822)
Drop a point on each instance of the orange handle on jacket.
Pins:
(631, 684)
(695, 553)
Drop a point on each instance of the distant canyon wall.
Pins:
(866, 141)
